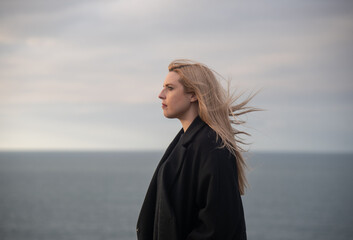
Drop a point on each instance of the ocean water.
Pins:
(98, 195)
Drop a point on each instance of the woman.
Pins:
(195, 190)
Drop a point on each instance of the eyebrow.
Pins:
(167, 85)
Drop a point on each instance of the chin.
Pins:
(168, 115)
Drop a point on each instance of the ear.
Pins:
(193, 97)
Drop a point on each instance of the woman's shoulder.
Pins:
(209, 152)
(203, 141)
(207, 136)
(206, 140)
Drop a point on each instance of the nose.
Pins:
(161, 94)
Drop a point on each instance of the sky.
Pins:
(85, 75)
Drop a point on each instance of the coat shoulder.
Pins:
(207, 146)
(206, 140)
(206, 135)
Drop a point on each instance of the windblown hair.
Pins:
(217, 108)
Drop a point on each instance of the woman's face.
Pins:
(175, 102)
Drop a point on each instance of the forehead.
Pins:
(172, 78)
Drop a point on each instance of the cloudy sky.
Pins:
(86, 74)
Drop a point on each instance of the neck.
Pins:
(188, 119)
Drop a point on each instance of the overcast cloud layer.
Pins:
(86, 74)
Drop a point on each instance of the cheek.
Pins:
(179, 98)
(181, 101)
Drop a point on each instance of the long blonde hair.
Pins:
(216, 108)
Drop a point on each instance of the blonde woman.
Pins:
(195, 190)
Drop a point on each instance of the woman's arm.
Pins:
(220, 210)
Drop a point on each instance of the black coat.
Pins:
(195, 194)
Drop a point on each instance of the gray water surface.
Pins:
(98, 195)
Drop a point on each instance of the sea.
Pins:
(98, 195)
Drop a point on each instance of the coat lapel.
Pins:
(145, 224)
(169, 174)
(173, 157)
(170, 148)
(175, 154)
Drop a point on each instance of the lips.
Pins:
(164, 105)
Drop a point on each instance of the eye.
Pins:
(170, 88)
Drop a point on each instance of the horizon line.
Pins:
(162, 150)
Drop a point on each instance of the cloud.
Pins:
(62, 58)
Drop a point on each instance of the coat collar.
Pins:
(175, 154)
(173, 161)
(194, 127)
(186, 137)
